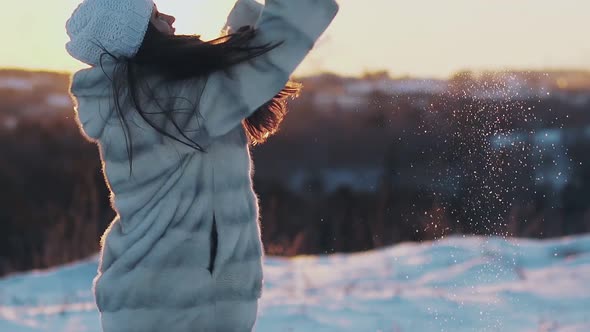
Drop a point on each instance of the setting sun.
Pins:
(423, 37)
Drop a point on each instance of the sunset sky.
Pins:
(426, 38)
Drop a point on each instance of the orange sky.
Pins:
(418, 37)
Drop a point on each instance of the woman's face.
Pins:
(163, 22)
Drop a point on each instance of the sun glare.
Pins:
(418, 38)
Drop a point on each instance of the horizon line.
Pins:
(549, 70)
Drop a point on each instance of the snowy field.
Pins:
(454, 284)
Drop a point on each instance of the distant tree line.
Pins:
(438, 175)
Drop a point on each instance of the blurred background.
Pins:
(417, 121)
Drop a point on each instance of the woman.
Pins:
(173, 118)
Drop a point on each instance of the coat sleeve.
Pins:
(230, 96)
(244, 12)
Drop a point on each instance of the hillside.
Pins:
(453, 284)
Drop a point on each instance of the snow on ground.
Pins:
(453, 284)
(16, 83)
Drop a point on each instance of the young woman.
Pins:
(173, 117)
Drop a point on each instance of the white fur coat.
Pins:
(153, 272)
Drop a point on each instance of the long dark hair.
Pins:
(180, 57)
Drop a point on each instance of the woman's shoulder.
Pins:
(187, 89)
(92, 81)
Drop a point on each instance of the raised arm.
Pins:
(231, 96)
(244, 12)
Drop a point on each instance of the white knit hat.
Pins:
(117, 25)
